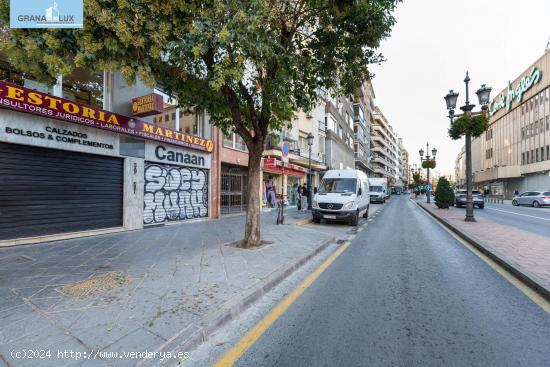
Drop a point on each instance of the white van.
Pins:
(378, 189)
(343, 195)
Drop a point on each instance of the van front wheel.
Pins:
(355, 219)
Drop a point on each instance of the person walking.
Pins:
(299, 197)
(516, 192)
(304, 198)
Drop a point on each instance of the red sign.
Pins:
(148, 105)
(17, 98)
(277, 166)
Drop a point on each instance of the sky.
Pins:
(433, 44)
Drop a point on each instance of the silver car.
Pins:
(477, 196)
(532, 198)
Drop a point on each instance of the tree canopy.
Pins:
(251, 64)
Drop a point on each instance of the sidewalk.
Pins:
(525, 254)
(175, 284)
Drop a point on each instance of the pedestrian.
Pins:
(299, 196)
(516, 192)
(304, 198)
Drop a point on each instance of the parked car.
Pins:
(532, 198)
(343, 195)
(477, 195)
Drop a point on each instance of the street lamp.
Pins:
(427, 158)
(309, 193)
(484, 96)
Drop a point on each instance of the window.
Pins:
(527, 158)
(548, 152)
(228, 141)
(536, 155)
(541, 154)
(522, 158)
(173, 116)
(522, 133)
(302, 142)
(489, 134)
(321, 144)
(547, 123)
(166, 118)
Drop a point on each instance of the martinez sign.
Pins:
(16, 98)
(515, 94)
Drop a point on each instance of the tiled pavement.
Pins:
(179, 274)
(525, 251)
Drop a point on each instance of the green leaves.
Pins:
(444, 195)
(430, 163)
(475, 125)
(251, 64)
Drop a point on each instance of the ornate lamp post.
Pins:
(483, 95)
(309, 193)
(427, 158)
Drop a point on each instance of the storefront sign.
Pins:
(515, 94)
(169, 154)
(276, 166)
(46, 14)
(59, 135)
(16, 98)
(148, 105)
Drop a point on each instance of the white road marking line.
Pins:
(524, 215)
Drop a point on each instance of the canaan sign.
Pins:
(515, 94)
(17, 98)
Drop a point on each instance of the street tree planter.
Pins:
(444, 195)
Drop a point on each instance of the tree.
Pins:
(250, 64)
(444, 195)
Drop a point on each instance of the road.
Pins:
(406, 293)
(535, 220)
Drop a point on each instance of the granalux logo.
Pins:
(46, 14)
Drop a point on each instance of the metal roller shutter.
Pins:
(174, 193)
(47, 191)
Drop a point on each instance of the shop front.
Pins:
(72, 169)
(175, 184)
(280, 178)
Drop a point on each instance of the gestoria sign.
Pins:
(17, 98)
(515, 94)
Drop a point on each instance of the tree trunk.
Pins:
(252, 227)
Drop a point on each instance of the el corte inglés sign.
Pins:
(515, 94)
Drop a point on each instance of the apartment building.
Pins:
(386, 151)
(363, 111)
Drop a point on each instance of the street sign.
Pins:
(285, 149)
(428, 188)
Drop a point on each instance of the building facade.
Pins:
(515, 150)
(363, 111)
(73, 168)
(386, 151)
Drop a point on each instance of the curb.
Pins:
(196, 333)
(524, 278)
(303, 222)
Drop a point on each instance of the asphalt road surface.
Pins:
(406, 293)
(535, 220)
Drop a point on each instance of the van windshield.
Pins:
(337, 185)
(376, 189)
